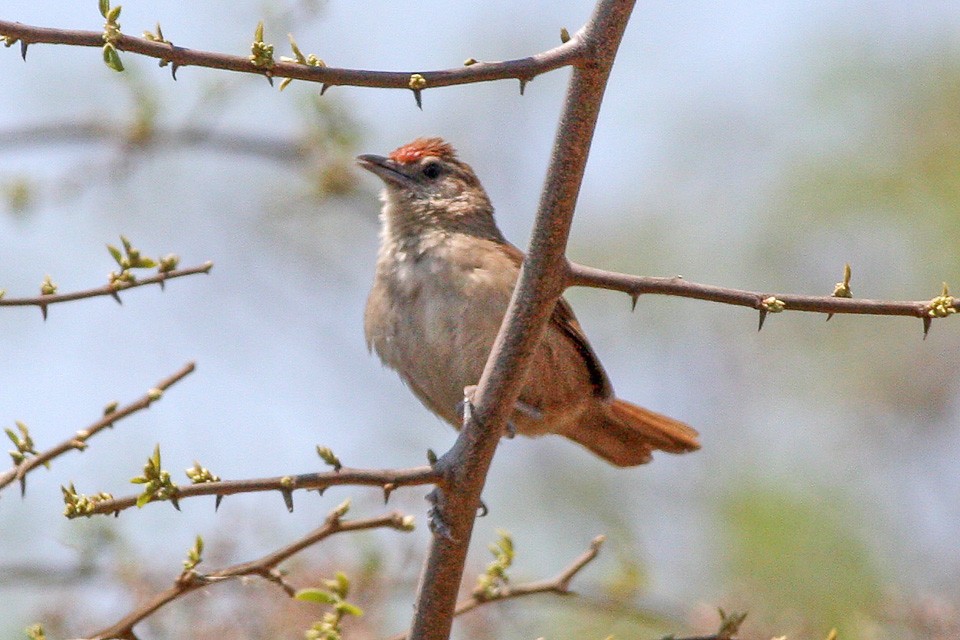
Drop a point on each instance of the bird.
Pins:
(444, 278)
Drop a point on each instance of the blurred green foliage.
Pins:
(799, 559)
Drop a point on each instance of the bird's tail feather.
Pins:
(626, 435)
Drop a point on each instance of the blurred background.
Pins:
(758, 145)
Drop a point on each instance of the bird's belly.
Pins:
(440, 332)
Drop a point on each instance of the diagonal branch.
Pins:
(387, 479)
(265, 567)
(79, 441)
(542, 280)
(559, 584)
(523, 69)
(114, 289)
(635, 286)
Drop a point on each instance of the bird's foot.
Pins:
(435, 520)
(465, 409)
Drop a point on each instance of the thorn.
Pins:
(387, 490)
(163, 284)
(927, 321)
(116, 514)
(269, 78)
(482, 510)
(175, 502)
(634, 298)
(216, 505)
(23, 49)
(829, 315)
(43, 311)
(287, 499)
(523, 84)
(116, 296)
(763, 316)
(173, 70)
(321, 491)
(418, 97)
(511, 430)
(23, 485)
(323, 88)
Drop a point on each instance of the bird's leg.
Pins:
(465, 409)
(435, 520)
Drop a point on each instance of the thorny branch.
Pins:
(44, 301)
(264, 567)
(559, 584)
(635, 286)
(386, 479)
(541, 282)
(79, 441)
(571, 52)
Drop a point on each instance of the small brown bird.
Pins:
(444, 278)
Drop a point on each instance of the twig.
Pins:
(635, 286)
(113, 290)
(388, 479)
(273, 148)
(559, 584)
(265, 567)
(541, 281)
(79, 441)
(523, 69)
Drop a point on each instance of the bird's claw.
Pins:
(435, 520)
(465, 409)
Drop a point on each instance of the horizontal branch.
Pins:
(523, 69)
(79, 441)
(387, 479)
(635, 286)
(82, 131)
(43, 301)
(560, 585)
(265, 567)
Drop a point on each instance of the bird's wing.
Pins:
(564, 320)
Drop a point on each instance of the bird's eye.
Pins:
(432, 169)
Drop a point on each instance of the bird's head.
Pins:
(427, 187)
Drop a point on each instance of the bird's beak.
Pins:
(388, 170)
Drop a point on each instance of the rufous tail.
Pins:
(626, 435)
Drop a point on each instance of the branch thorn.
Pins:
(23, 485)
(763, 316)
(287, 498)
(927, 322)
(324, 87)
(387, 490)
(116, 296)
(23, 49)
(43, 311)
(216, 505)
(418, 97)
(173, 70)
(523, 84)
(634, 297)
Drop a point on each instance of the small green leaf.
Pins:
(111, 58)
(104, 7)
(113, 14)
(349, 609)
(115, 253)
(316, 595)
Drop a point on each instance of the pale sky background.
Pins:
(711, 106)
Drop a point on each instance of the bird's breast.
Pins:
(435, 310)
